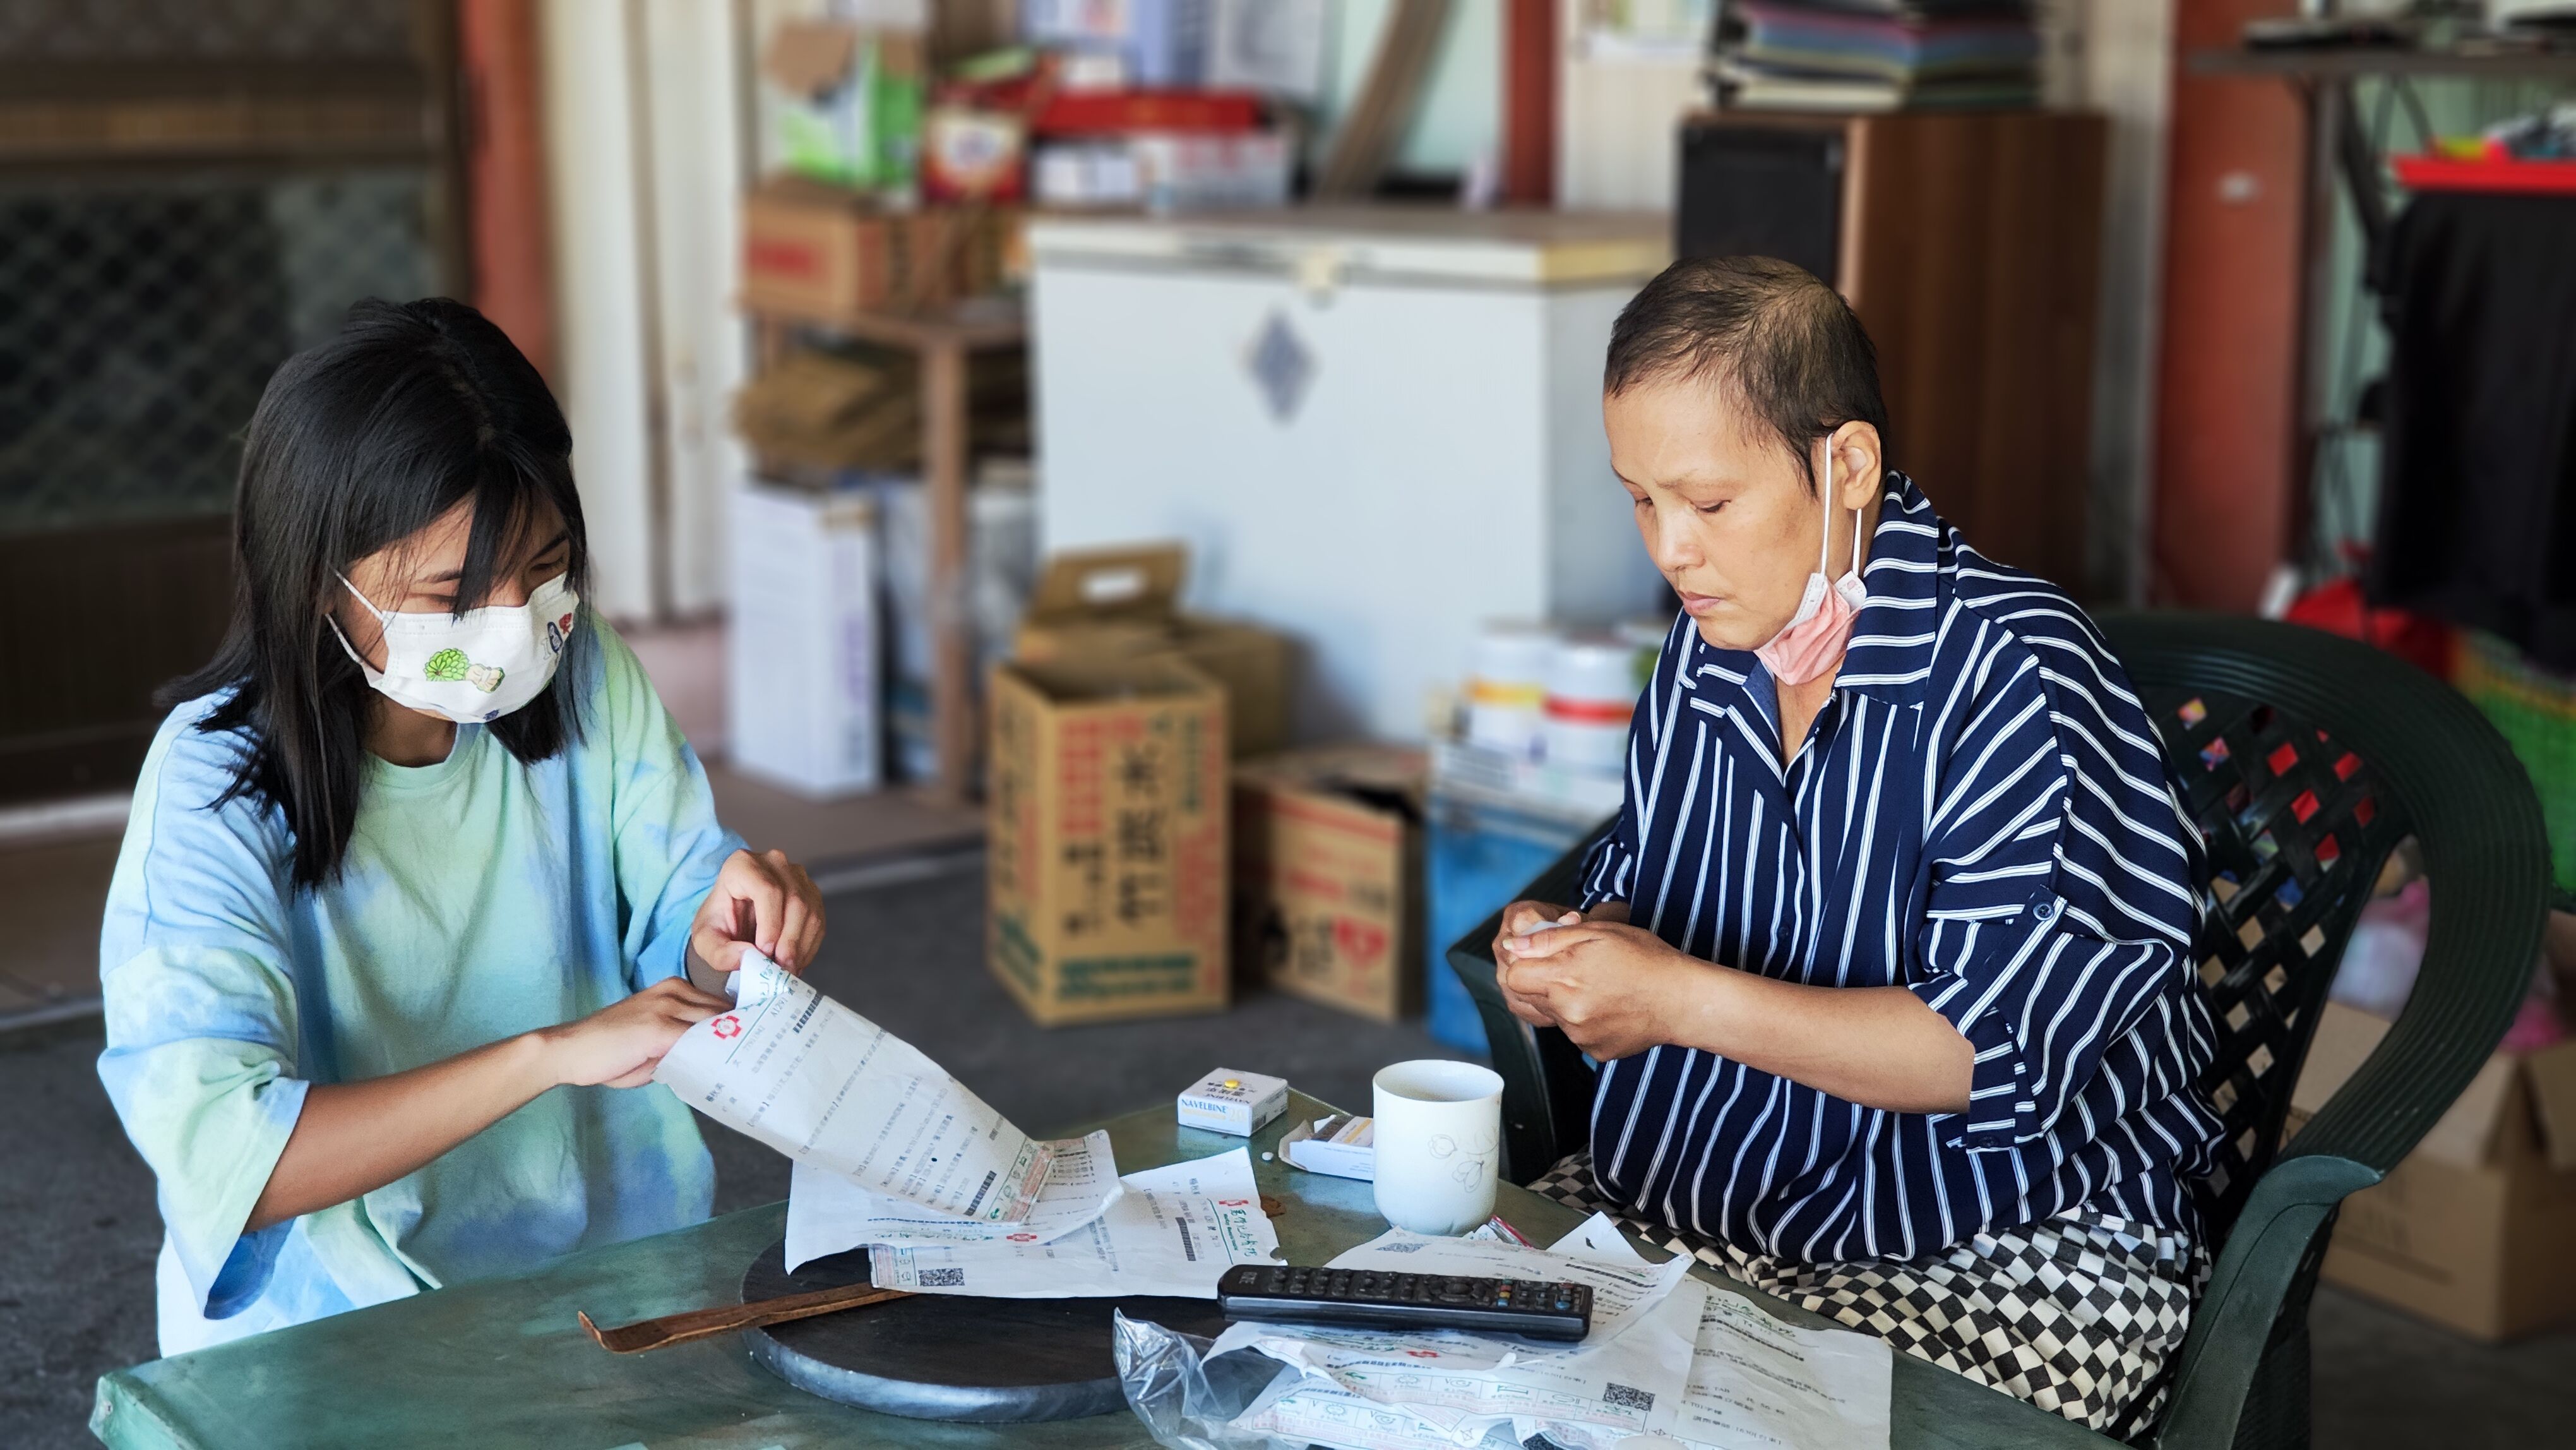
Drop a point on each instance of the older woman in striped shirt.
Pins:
(1887, 957)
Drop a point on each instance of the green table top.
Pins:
(501, 1362)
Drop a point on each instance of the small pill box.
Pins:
(1226, 1101)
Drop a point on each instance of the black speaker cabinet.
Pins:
(1970, 245)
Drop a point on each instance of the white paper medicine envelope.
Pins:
(824, 1085)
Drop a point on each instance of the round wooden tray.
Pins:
(948, 1357)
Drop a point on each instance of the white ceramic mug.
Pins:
(1439, 1136)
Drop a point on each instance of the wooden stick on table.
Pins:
(673, 1329)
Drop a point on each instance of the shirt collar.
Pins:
(1890, 654)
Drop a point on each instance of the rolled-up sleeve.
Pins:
(1608, 865)
(2061, 900)
(201, 1012)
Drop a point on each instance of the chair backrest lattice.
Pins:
(2297, 831)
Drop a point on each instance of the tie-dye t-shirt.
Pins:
(480, 898)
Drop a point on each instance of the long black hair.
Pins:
(360, 443)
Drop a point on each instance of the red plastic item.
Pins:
(2444, 173)
(1098, 113)
(2338, 608)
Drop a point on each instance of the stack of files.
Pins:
(1877, 55)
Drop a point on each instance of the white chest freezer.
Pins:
(1375, 428)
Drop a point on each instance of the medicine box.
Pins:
(1343, 1145)
(1241, 1103)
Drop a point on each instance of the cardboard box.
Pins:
(1103, 605)
(1328, 876)
(821, 250)
(817, 410)
(802, 661)
(1107, 839)
(2476, 1229)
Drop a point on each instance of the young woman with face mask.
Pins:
(1887, 956)
(419, 870)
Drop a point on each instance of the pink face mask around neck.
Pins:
(1812, 642)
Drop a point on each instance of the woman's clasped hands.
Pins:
(1613, 989)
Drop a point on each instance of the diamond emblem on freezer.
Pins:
(1281, 366)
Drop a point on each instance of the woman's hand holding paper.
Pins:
(620, 1044)
(764, 903)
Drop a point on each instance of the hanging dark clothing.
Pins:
(2477, 507)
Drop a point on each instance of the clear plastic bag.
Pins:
(1248, 1401)
(1187, 1401)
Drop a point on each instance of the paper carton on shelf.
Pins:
(803, 666)
(817, 250)
(846, 101)
(1328, 876)
(1102, 605)
(1107, 839)
(2476, 1229)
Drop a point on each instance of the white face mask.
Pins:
(476, 668)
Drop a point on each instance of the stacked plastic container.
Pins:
(1591, 688)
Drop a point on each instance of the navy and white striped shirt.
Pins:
(1979, 813)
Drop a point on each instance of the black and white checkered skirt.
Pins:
(2076, 1314)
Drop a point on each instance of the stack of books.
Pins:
(1877, 55)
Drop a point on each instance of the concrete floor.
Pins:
(55, 890)
(76, 1261)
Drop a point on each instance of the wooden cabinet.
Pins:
(1970, 244)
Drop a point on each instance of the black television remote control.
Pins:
(1368, 1298)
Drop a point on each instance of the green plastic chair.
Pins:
(2307, 758)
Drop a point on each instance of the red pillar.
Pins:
(2227, 402)
(1529, 103)
(506, 172)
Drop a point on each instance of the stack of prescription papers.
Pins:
(894, 1155)
(1667, 1357)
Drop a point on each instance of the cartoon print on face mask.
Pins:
(451, 664)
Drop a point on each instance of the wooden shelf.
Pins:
(941, 338)
(2357, 62)
(984, 322)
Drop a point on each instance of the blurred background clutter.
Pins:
(968, 390)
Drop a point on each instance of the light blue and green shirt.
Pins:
(480, 898)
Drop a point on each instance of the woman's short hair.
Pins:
(1782, 344)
